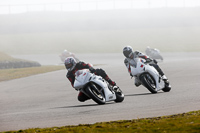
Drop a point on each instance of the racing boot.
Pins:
(115, 88)
(113, 84)
(103, 74)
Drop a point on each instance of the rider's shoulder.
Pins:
(137, 52)
(80, 63)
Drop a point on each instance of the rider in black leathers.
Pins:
(72, 66)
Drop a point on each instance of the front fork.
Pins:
(110, 87)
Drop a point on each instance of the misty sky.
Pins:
(20, 6)
(39, 26)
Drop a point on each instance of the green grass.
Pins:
(8, 74)
(180, 123)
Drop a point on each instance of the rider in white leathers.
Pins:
(129, 60)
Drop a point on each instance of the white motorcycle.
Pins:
(154, 54)
(96, 87)
(148, 76)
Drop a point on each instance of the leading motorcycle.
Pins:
(148, 76)
(96, 88)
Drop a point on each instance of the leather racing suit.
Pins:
(137, 54)
(82, 65)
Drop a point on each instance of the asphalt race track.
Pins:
(47, 100)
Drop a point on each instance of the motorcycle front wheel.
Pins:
(95, 94)
(149, 82)
(167, 88)
(119, 95)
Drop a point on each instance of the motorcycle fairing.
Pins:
(83, 77)
(141, 68)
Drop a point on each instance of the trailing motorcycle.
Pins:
(66, 54)
(148, 76)
(96, 87)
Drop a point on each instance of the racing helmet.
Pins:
(65, 52)
(128, 51)
(70, 63)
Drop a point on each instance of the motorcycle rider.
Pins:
(129, 60)
(72, 66)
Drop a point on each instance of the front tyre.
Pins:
(149, 82)
(95, 94)
(167, 88)
(119, 95)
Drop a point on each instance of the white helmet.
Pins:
(128, 51)
(70, 63)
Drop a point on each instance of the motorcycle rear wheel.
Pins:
(95, 94)
(149, 82)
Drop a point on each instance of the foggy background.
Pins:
(95, 26)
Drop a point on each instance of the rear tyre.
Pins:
(95, 94)
(149, 82)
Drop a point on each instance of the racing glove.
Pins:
(148, 60)
(155, 61)
(92, 70)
